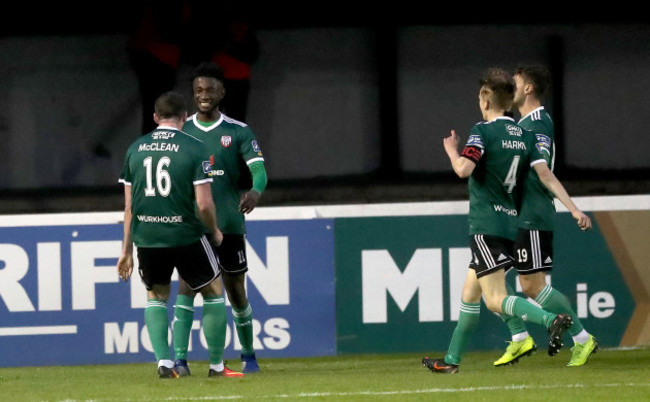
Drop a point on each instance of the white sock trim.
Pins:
(166, 363)
(581, 337)
(217, 367)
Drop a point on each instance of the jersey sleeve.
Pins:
(125, 175)
(539, 150)
(474, 147)
(258, 172)
(544, 146)
(249, 148)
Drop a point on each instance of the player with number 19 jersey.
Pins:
(162, 168)
(493, 184)
(538, 207)
(230, 141)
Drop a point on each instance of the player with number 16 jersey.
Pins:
(163, 167)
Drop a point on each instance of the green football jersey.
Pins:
(162, 168)
(230, 141)
(504, 151)
(537, 207)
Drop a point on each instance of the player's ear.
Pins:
(529, 89)
(156, 118)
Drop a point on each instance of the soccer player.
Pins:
(493, 159)
(230, 141)
(167, 208)
(534, 244)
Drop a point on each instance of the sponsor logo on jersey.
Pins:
(543, 143)
(160, 219)
(474, 140)
(501, 208)
(162, 135)
(514, 130)
(226, 140)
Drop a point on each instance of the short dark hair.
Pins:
(170, 105)
(538, 76)
(208, 69)
(499, 86)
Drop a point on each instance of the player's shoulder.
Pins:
(504, 123)
(184, 136)
(536, 116)
(235, 122)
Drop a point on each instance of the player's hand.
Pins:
(217, 238)
(583, 221)
(451, 142)
(248, 201)
(125, 266)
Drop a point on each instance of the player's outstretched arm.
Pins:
(463, 167)
(553, 184)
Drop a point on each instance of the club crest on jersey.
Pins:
(226, 140)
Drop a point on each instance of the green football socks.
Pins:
(182, 325)
(214, 327)
(157, 322)
(520, 307)
(243, 320)
(467, 322)
(515, 324)
(552, 300)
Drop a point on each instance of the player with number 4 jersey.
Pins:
(493, 186)
(494, 159)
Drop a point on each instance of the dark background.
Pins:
(389, 175)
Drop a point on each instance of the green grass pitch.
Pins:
(611, 374)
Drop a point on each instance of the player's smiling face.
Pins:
(208, 92)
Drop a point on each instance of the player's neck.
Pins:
(209, 117)
(528, 106)
(494, 114)
(175, 123)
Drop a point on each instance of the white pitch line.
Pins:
(42, 330)
(383, 393)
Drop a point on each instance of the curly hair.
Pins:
(208, 69)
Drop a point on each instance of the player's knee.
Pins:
(493, 302)
(184, 289)
(531, 288)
